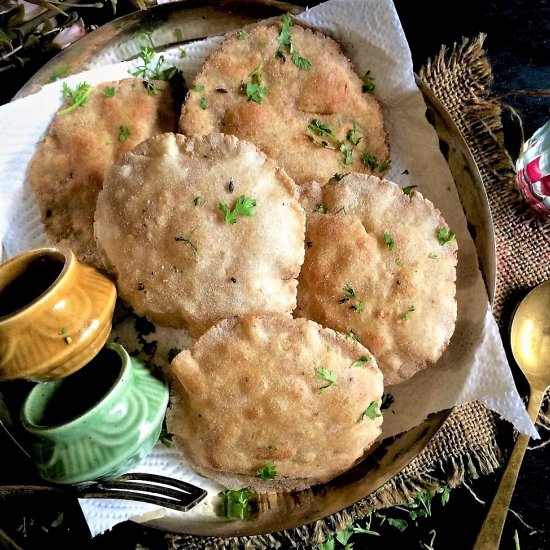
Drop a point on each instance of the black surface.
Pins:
(518, 47)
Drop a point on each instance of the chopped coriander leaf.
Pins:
(349, 292)
(361, 361)
(150, 72)
(368, 82)
(183, 53)
(407, 190)
(387, 401)
(444, 236)
(203, 103)
(254, 89)
(198, 88)
(300, 62)
(352, 336)
(79, 96)
(432, 256)
(400, 524)
(445, 494)
(109, 91)
(325, 374)
(344, 534)
(347, 150)
(244, 206)
(340, 177)
(123, 133)
(255, 92)
(327, 545)
(320, 208)
(388, 239)
(407, 314)
(352, 134)
(357, 307)
(370, 412)
(241, 35)
(257, 74)
(236, 504)
(57, 521)
(172, 352)
(284, 38)
(197, 201)
(319, 127)
(374, 164)
(166, 438)
(63, 331)
(267, 472)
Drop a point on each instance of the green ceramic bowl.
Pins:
(97, 423)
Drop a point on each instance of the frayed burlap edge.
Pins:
(519, 233)
(466, 446)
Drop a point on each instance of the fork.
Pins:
(150, 488)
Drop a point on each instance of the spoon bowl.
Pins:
(530, 341)
(530, 336)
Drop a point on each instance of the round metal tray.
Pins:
(174, 24)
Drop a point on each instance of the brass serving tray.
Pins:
(175, 24)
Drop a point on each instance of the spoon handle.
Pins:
(491, 530)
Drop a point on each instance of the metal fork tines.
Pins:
(150, 488)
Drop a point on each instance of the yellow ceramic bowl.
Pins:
(55, 314)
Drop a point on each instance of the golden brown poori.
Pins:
(200, 229)
(309, 113)
(68, 168)
(288, 394)
(381, 264)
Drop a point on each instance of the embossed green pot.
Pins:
(98, 422)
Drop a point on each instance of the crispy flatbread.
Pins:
(374, 265)
(250, 393)
(328, 93)
(69, 165)
(161, 228)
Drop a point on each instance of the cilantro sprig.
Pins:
(368, 82)
(285, 44)
(245, 206)
(444, 236)
(351, 296)
(151, 70)
(371, 412)
(237, 504)
(361, 361)
(79, 96)
(267, 472)
(374, 163)
(325, 374)
(254, 89)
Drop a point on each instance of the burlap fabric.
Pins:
(473, 440)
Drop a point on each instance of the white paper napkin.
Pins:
(473, 367)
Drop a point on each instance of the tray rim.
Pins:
(77, 56)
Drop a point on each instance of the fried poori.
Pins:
(380, 265)
(70, 163)
(199, 229)
(274, 403)
(292, 92)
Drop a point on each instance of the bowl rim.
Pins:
(27, 256)
(124, 376)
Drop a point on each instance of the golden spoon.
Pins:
(530, 340)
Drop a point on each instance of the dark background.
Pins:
(518, 48)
